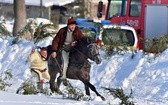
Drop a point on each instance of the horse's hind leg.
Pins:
(93, 89)
(53, 85)
(87, 83)
(87, 90)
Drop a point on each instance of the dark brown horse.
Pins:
(79, 66)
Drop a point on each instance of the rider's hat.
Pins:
(71, 21)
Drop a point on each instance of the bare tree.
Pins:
(20, 16)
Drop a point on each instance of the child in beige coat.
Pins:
(38, 65)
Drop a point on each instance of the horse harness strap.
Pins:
(59, 66)
(41, 70)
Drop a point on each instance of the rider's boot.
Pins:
(63, 77)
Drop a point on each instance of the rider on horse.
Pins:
(64, 40)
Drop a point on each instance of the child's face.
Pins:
(44, 53)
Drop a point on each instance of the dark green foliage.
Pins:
(112, 49)
(41, 32)
(89, 33)
(156, 45)
(115, 41)
(119, 93)
(30, 87)
(4, 31)
(27, 87)
(28, 28)
(72, 93)
(4, 80)
(33, 31)
(15, 40)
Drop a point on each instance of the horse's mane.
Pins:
(85, 41)
(81, 44)
(79, 53)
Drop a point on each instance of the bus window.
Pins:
(135, 7)
(117, 8)
(122, 37)
(127, 38)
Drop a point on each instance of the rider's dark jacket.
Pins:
(60, 37)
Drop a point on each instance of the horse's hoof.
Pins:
(65, 82)
(60, 93)
(86, 98)
(102, 98)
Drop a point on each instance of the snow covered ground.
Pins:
(7, 98)
(146, 75)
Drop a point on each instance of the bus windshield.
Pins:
(117, 8)
(117, 36)
(135, 8)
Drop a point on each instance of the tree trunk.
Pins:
(20, 16)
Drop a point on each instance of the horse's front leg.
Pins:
(87, 90)
(86, 87)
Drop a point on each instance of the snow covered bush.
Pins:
(4, 31)
(27, 87)
(156, 45)
(72, 93)
(4, 80)
(119, 93)
(36, 31)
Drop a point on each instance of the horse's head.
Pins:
(93, 53)
(90, 49)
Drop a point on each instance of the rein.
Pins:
(58, 64)
(83, 53)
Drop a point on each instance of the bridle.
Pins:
(90, 48)
(94, 54)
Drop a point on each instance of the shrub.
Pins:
(44, 30)
(72, 93)
(4, 80)
(119, 93)
(27, 87)
(33, 31)
(4, 31)
(156, 45)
